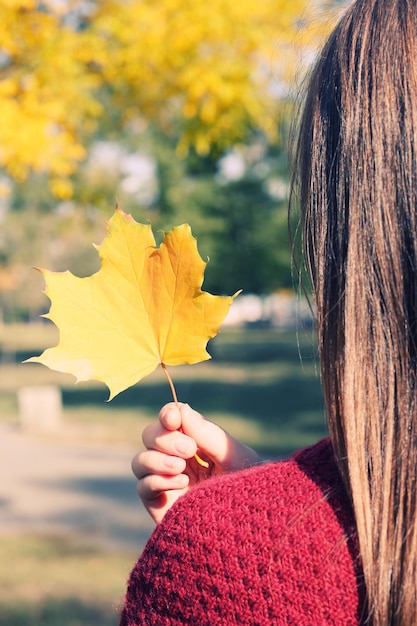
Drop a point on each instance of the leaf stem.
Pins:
(199, 460)
(171, 384)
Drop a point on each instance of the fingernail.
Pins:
(182, 481)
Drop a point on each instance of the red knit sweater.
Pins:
(274, 544)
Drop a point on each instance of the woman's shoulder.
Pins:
(309, 476)
(272, 542)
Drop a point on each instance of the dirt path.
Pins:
(52, 487)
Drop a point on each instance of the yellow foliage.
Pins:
(202, 71)
(46, 90)
(143, 307)
(61, 188)
(205, 67)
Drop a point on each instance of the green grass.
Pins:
(261, 385)
(256, 386)
(50, 581)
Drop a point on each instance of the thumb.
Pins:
(224, 451)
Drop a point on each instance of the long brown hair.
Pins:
(356, 172)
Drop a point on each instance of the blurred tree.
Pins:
(47, 91)
(171, 106)
(207, 73)
(237, 207)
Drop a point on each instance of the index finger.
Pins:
(173, 443)
(170, 416)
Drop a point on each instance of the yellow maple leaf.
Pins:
(144, 307)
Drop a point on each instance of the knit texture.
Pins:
(274, 544)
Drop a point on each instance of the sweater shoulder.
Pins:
(273, 544)
(289, 486)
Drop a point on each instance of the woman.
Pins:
(329, 537)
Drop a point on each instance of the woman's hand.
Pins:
(167, 468)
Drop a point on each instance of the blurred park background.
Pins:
(180, 112)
